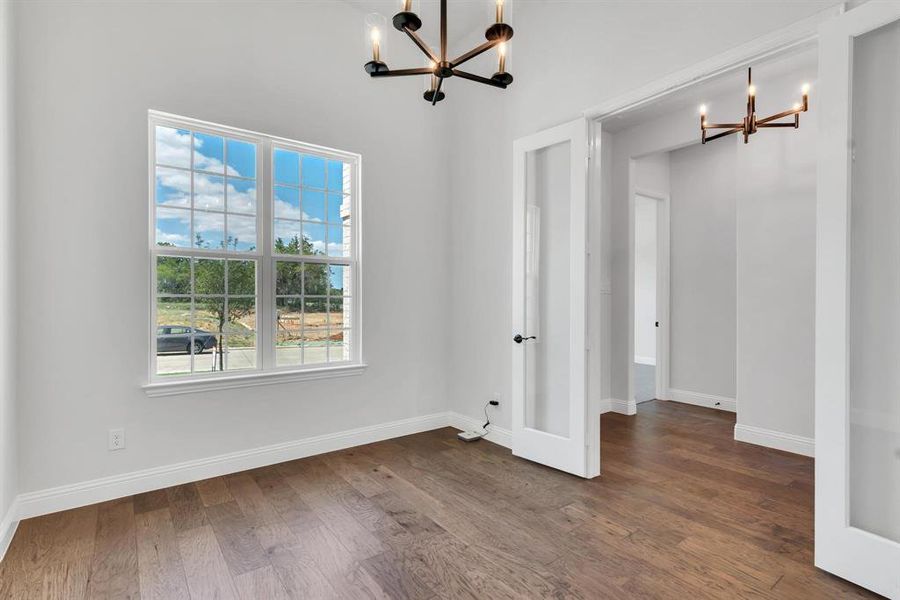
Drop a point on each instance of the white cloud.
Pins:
(173, 148)
(334, 248)
(172, 238)
(243, 201)
(178, 187)
(286, 210)
(209, 192)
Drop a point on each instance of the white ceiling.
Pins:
(804, 63)
(463, 18)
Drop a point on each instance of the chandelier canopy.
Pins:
(750, 124)
(440, 66)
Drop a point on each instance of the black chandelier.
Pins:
(440, 67)
(750, 123)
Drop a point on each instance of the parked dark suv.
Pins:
(177, 338)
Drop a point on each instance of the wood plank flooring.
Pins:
(681, 511)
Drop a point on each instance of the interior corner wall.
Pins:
(86, 75)
(651, 173)
(703, 281)
(481, 237)
(8, 424)
(776, 276)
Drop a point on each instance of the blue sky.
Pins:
(299, 209)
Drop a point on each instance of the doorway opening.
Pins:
(650, 298)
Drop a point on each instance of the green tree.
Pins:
(290, 275)
(210, 291)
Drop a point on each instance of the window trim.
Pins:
(266, 370)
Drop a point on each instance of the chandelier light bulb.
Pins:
(805, 89)
(751, 90)
(702, 110)
(375, 34)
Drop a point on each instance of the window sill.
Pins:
(192, 386)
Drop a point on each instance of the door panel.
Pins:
(857, 294)
(549, 271)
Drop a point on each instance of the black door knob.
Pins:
(519, 339)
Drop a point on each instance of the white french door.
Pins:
(550, 417)
(858, 298)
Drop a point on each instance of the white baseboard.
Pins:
(498, 435)
(623, 407)
(700, 399)
(65, 497)
(645, 360)
(8, 525)
(775, 439)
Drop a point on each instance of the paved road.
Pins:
(243, 358)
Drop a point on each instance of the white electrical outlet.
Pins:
(116, 439)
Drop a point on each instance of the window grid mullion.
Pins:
(265, 275)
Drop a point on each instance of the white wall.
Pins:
(703, 293)
(776, 273)
(87, 73)
(645, 273)
(8, 446)
(574, 59)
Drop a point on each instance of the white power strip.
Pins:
(469, 436)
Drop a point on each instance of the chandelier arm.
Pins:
(780, 115)
(723, 126)
(723, 134)
(418, 41)
(475, 52)
(443, 30)
(404, 72)
(792, 125)
(478, 79)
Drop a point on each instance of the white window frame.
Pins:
(266, 371)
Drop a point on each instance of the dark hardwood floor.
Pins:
(681, 511)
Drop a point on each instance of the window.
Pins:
(254, 256)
